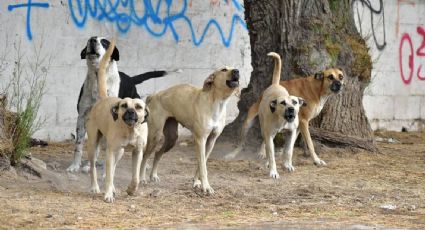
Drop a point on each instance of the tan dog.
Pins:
(201, 110)
(316, 90)
(121, 122)
(278, 110)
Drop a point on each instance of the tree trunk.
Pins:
(310, 36)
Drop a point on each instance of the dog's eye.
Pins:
(283, 103)
(124, 105)
(294, 102)
(331, 77)
(341, 77)
(138, 106)
(224, 70)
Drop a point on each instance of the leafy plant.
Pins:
(25, 90)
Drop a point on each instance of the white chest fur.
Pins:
(319, 107)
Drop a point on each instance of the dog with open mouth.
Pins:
(118, 84)
(201, 110)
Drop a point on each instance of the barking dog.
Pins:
(316, 90)
(118, 84)
(278, 110)
(201, 110)
(122, 122)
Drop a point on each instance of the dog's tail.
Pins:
(277, 67)
(101, 81)
(152, 74)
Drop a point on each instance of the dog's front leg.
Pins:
(79, 143)
(202, 166)
(109, 182)
(270, 155)
(289, 149)
(307, 138)
(209, 147)
(137, 156)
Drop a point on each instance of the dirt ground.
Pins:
(347, 194)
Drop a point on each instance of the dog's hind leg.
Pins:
(93, 149)
(170, 137)
(252, 113)
(153, 139)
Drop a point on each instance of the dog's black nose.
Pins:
(289, 114)
(235, 75)
(336, 86)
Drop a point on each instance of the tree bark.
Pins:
(310, 36)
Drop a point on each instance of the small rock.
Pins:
(85, 169)
(388, 207)
(53, 165)
(404, 129)
(132, 206)
(38, 163)
(274, 213)
(155, 193)
(79, 218)
(184, 144)
(49, 216)
(411, 208)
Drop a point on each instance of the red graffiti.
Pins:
(407, 73)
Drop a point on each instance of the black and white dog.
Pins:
(118, 84)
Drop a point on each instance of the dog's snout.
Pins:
(289, 114)
(336, 86)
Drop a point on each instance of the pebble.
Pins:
(388, 207)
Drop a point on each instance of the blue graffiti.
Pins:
(29, 5)
(151, 19)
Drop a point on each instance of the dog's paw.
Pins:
(208, 190)
(155, 179)
(319, 162)
(289, 166)
(73, 168)
(274, 174)
(132, 189)
(261, 154)
(95, 189)
(109, 197)
(196, 183)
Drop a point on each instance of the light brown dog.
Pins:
(121, 122)
(278, 110)
(201, 110)
(316, 90)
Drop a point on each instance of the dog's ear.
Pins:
(273, 105)
(83, 53)
(319, 75)
(115, 55)
(114, 111)
(147, 111)
(208, 83)
(302, 101)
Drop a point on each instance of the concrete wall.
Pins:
(396, 96)
(195, 36)
(198, 36)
